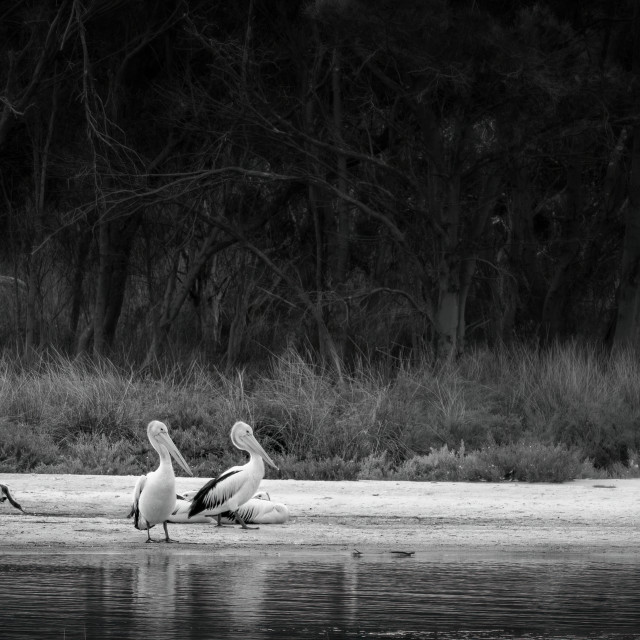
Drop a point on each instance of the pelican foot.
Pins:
(242, 523)
(219, 518)
(151, 540)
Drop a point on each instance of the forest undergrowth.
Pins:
(514, 413)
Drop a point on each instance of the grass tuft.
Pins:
(522, 414)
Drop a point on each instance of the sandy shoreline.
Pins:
(68, 512)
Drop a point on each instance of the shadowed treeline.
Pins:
(348, 178)
(339, 221)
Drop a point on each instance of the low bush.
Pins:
(532, 462)
(23, 448)
(327, 469)
(522, 413)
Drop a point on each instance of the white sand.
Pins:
(69, 512)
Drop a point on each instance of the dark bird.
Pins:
(6, 495)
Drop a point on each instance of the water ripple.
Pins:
(160, 595)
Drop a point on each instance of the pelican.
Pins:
(154, 496)
(257, 510)
(231, 489)
(5, 494)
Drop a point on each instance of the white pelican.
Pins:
(257, 510)
(154, 496)
(5, 494)
(231, 489)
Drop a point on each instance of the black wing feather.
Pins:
(135, 514)
(248, 513)
(205, 499)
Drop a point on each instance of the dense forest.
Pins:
(350, 178)
(399, 237)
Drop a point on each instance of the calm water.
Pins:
(154, 594)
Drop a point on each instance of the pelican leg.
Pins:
(240, 521)
(166, 533)
(219, 517)
(149, 538)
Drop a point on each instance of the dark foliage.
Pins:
(350, 178)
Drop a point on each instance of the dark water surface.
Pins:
(154, 594)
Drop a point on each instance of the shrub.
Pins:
(506, 405)
(326, 469)
(533, 462)
(22, 449)
(376, 467)
(99, 455)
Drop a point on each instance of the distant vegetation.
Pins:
(325, 207)
(348, 177)
(517, 414)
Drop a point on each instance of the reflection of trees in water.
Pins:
(105, 594)
(580, 593)
(192, 597)
(314, 593)
(157, 595)
(223, 594)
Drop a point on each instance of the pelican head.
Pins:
(243, 438)
(159, 437)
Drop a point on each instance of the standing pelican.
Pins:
(231, 489)
(154, 496)
(5, 494)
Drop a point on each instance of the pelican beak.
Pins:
(258, 450)
(166, 440)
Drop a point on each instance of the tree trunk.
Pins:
(526, 279)
(556, 302)
(176, 292)
(448, 310)
(41, 147)
(342, 247)
(627, 331)
(329, 352)
(339, 318)
(237, 329)
(469, 259)
(115, 242)
(82, 252)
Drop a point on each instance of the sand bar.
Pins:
(80, 512)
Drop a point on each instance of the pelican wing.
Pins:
(260, 511)
(180, 514)
(249, 512)
(135, 509)
(214, 493)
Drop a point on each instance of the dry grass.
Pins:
(518, 414)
